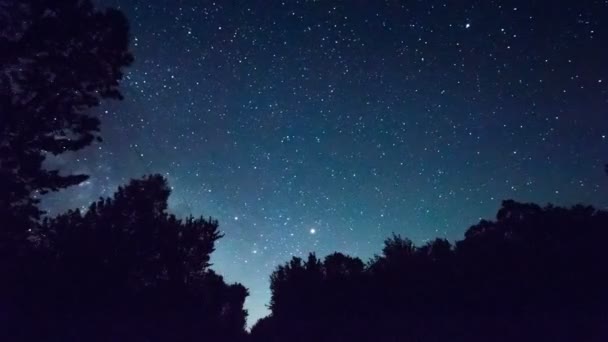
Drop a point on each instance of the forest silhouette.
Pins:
(125, 269)
(533, 274)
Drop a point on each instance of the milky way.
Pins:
(327, 125)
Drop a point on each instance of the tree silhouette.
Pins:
(59, 59)
(533, 274)
(126, 269)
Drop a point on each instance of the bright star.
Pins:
(312, 231)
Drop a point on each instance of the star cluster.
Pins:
(326, 125)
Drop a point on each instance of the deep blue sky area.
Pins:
(327, 125)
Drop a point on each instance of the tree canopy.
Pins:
(124, 267)
(59, 60)
(535, 273)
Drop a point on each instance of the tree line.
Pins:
(126, 269)
(532, 274)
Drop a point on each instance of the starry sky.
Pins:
(327, 125)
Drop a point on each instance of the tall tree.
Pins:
(59, 60)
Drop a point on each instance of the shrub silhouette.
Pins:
(533, 274)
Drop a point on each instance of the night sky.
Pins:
(327, 125)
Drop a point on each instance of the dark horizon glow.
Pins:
(327, 125)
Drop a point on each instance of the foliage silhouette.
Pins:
(59, 59)
(533, 274)
(125, 269)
